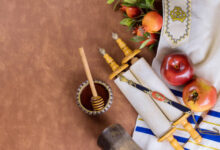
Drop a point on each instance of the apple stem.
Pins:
(176, 66)
(193, 96)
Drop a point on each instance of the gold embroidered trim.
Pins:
(168, 14)
(177, 14)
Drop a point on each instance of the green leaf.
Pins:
(127, 22)
(110, 1)
(116, 5)
(151, 47)
(144, 44)
(130, 1)
(137, 38)
(141, 5)
(131, 26)
(146, 34)
(125, 15)
(128, 4)
(141, 1)
(150, 3)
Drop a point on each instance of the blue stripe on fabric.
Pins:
(190, 119)
(144, 130)
(148, 131)
(177, 93)
(209, 137)
(186, 149)
(181, 139)
(214, 113)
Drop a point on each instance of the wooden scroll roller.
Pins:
(114, 66)
(169, 137)
(97, 101)
(116, 138)
(146, 107)
(189, 128)
(148, 78)
(129, 54)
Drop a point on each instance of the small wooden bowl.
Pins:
(84, 95)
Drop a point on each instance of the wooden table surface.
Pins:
(40, 71)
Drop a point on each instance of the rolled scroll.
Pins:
(148, 78)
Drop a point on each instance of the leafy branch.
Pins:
(135, 22)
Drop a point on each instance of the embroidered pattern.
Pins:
(177, 14)
(177, 21)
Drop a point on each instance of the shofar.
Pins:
(115, 137)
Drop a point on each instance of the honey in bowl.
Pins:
(84, 95)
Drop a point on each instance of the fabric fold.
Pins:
(202, 46)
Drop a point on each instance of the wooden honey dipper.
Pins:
(97, 101)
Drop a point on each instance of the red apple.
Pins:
(176, 69)
(131, 11)
(199, 95)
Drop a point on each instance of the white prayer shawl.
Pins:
(191, 27)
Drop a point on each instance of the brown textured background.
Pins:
(40, 70)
